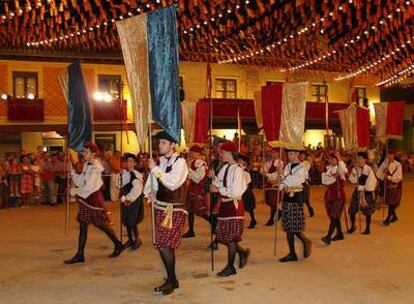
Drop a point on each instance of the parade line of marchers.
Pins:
(179, 188)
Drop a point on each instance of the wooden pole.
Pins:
(276, 218)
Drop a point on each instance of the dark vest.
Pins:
(166, 195)
(128, 187)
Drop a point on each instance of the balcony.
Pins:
(107, 111)
(24, 109)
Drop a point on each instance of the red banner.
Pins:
(362, 119)
(202, 116)
(395, 117)
(272, 111)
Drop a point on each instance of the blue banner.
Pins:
(79, 114)
(163, 70)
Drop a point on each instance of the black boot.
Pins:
(338, 237)
(117, 250)
(271, 220)
(291, 257)
(353, 218)
(213, 245)
(228, 271)
(326, 240)
(189, 234)
(161, 287)
(252, 224)
(243, 257)
(129, 243)
(77, 258)
(169, 287)
(368, 222)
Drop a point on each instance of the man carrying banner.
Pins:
(363, 177)
(165, 187)
(293, 217)
(391, 174)
(271, 170)
(334, 178)
(88, 180)
(196, 202)
(230, 184)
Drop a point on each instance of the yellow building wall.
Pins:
(249, 80)
(30, 141)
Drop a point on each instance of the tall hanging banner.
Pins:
(149, 45)
(355, 127)
(389, 117)
(283, 114)
(79, 114)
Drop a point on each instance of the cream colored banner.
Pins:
(258, 109)
(347, 119)
(380, 119)
(188, 111)
(133, 37)
(292, 124)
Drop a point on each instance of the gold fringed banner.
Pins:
(133, 39)
(189, 121)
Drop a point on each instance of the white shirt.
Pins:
(247, 175)
(272, 177)
(90, 180)
(197, 175)
(171, 180)
(394, 167)
(235, 181)
(295, 178)
(137, 185)
(329, 177)
(371, 180)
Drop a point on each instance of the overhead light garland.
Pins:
(104, 23)
(396, 78)
(327, 54)
(350, 42)
(375, 63)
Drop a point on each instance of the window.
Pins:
(110, 84)
(25, 85)
(270, 83)
(319, 91)
(106, 142)
(361, 94)
(226, 88)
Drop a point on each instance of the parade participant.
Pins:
(196, 203)
(363, 177)
(132, 208)
(216, 165)
(272, 169)
(391, 174)
(249, 201)
(230, 184)
(306, 187)
(88, 180)
(293, 218)
(334, 178)
(165, 187)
